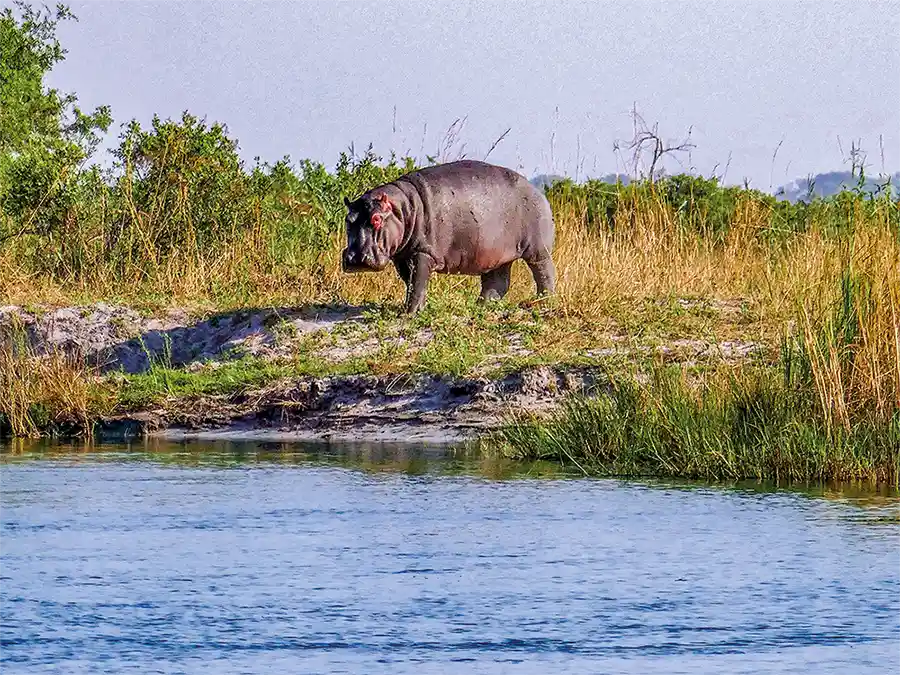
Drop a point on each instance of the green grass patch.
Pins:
(161, 382)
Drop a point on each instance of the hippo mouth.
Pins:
(353, 268)
(352, 262)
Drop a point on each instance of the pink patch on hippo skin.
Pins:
(385, 202)
(376, 221)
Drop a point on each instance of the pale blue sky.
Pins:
(309, 78)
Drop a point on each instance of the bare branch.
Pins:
(647, 141)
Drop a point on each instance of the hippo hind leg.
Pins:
(544, 274)
(495, 284)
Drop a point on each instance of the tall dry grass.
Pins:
(47, 392)
(643, 254)
(849, 342)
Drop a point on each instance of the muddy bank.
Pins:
(391, 408)
(120, 342)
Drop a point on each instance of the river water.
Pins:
(261, 558)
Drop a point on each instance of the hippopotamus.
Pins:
(464, 217)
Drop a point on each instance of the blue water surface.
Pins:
(241, 559)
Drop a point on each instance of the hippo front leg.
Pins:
(420, 266)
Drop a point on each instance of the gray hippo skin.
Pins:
(464, 217)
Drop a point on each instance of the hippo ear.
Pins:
(346, 202)
(386, 204)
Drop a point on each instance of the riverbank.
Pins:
(697, 331)
(314, 372)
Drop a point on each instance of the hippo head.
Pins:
(371, 223)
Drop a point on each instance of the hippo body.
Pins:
(464, 217)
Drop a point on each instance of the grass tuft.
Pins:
(47, 393)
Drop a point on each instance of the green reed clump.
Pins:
(742, 425)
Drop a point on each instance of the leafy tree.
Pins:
(44, 136)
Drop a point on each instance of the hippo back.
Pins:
(477, 216)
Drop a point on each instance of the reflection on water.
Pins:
(374, 457)
(412, 460)
(249, 557)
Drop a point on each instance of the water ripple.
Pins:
(126, 565)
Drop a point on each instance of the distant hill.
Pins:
(543, 180)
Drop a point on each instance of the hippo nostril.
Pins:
(356, 260)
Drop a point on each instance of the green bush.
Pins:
(45, 138)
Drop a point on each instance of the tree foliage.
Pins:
(44, 136)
